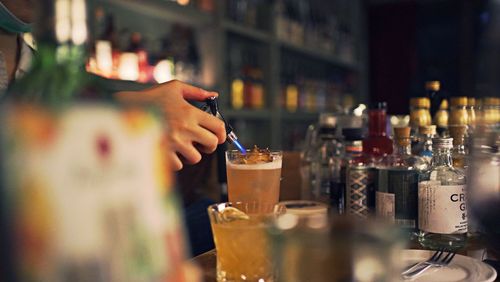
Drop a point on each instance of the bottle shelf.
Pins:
(166, 10)
(246, 31)
(318, 55)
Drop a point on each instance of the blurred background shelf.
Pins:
(255, 51)
(248, 114)
(165, 10)
(243, 30)
(317, 54)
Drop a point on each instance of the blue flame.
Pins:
(239, 147)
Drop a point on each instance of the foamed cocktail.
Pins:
(241, 241)
(254, 176)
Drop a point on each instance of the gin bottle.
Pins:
(397, 183)
(442, 208)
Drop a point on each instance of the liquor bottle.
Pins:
(397, 183)
(353, 150)
(441, 119)
(327, 160)
(432, 89)
(458, 111)
(377, 144)
(424, 145)
(458, 154)
(442, 208)
(419, 113)
(359, 182)
(104, 212)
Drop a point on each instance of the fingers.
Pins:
(188, 152)
(214, 125)
(175, 162)
(191, 92)
(206, 140)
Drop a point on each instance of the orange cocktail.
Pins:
(254, 176)
(241, 241)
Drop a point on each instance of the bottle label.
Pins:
(360, 191)
(442, 208)
(384, 205)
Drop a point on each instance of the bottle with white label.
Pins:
(397, 183)
(442, 208)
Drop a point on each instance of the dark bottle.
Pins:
(353, 148)
(377, 144)
(326, 161)
(397, 183)
(359, 177)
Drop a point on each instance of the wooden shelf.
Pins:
(246, 31)
(319, 55)
(166, 10)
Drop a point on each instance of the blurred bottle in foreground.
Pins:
(87, 193)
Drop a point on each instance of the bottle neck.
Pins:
(459, 148)
(442, 157)
(377, 122)
(401, 148)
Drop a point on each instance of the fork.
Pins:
(434, 260)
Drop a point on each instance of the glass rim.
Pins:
(249, 151)
(216, 206)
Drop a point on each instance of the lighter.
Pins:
(213, 108)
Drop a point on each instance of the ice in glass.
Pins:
(254, 176)
(241, 241)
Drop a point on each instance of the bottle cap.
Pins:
(427, 129)
(352, 134)
(457, 132)
(471, 101)
(442, 143)
(378, 106)
(421, 102)
(443, 105)
(402, 135)
(458, 101)
(434, 85)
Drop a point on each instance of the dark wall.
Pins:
(392, 40)
(415, 41)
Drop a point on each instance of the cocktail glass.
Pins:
(241, 241)
(248, 182)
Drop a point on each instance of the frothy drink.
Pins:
(254, 178)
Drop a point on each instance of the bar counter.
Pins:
(208, 261)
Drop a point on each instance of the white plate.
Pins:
(461, 268)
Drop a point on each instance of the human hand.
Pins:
(191, 130)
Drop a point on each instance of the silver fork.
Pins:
(436, 259)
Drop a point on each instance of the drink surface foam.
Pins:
(261, 166)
